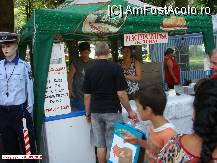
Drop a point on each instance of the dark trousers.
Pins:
(11, 129)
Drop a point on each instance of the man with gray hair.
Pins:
(213, 64)
(104, 90)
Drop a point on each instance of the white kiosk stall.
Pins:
(63, 128)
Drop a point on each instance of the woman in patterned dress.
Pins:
(201, 146)
(132, 71)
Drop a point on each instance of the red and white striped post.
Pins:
(26, 137)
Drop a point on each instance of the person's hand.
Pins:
(133, 116)
(130, 138)
(88, 118)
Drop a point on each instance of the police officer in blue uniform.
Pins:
(16, 98)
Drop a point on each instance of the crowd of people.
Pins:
(101, 86)
(130, 67)
(107, 84)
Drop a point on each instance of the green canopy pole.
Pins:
(42, 48)
(208, 39)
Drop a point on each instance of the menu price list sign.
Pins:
(57, 100)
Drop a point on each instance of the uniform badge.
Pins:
(30, 75)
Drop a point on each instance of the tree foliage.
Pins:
(24, 9)
(212, 4)
(160, 3)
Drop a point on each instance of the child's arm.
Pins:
(134, 140)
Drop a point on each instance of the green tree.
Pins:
(160, 3)
(181, 3)
(212, 4)
(24, 9)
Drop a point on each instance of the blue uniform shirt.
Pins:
(20, 84)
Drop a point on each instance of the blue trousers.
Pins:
(11, 129)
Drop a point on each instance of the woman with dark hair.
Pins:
(132, 71)
(171, 69)
(201, 146)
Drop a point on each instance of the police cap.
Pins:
(7, 37)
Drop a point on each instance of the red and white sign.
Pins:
(145, 38)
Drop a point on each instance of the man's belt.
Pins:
(9, 108)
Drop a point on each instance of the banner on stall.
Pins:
(57, 100)
(145, 38)
(123, 152)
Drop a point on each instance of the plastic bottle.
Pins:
(207, 67)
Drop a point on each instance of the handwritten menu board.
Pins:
(57, 100)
